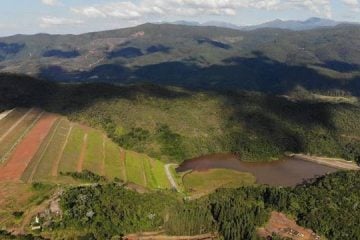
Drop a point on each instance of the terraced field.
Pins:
(152, 174)
(14, 127)
(63, 146)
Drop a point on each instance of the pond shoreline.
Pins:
(331, 162)
(289, 171)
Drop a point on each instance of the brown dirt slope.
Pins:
(281, 225)
(26, 150)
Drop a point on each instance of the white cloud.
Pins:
(51, 2)
(187, 8)
(351, 3)
(49, 21)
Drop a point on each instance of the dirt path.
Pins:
(144, 174)
(82, 154)
(123, 160)
(25, 151)
(15, 125)
(54, 170)
(43, 152)
(162, 236)
(4, 114)
(170, 176)
(280, 224)
(351, 137)
(331, 162)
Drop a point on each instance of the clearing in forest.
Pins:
(287, 228)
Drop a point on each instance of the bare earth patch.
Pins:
(282, 226)
(25, 151)
(331, 162)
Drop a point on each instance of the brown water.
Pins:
(287, 172)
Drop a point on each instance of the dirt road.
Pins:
(331, 162)
(162, 236)
(170, 176)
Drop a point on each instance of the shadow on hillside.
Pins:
(61, 54)
(258, 73)
(266, 117)
(275, 120)
(341, 66)
(23, 91)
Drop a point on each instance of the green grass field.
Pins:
(113, 163)
(94, 156)
(157, 172)
(69, 160)
(135, 168)
(202, 183)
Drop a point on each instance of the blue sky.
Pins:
(78, 16)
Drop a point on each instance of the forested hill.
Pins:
(266, 60)
(187, 123)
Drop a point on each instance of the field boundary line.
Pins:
(54, 171)
(15, 125)
(8, 153)
(123, 159)
(102, 168)
(43, 152)
(144, 174)
(151, 172)
(82, 154)
(171, 177)
(6, 113)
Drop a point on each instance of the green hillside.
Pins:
(174, 124)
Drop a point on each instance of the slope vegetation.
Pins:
(53, 146)
(173, 124)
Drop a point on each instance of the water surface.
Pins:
(286, 172)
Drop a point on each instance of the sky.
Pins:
(79, 16)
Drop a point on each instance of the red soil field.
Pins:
(25, 151)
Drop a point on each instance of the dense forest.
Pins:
(174, 124)
(328, 205)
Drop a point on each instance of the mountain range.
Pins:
(268, 59)
(295, 25)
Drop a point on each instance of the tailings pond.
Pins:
(286, 172)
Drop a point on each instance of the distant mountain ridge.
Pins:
(295, 25)
(266, 60)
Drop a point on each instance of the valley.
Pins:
(181, 131)
(62, 155)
